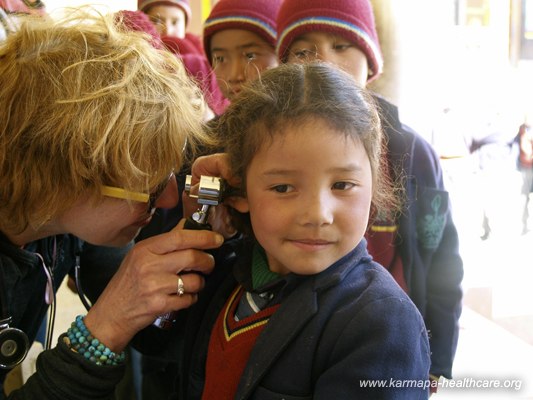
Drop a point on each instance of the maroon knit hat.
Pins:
(257, 16)
(351, 19)
(140, 22)
(144, 5)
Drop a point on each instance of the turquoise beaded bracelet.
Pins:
(81, 341)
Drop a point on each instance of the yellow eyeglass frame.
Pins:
(148, 198)
(119, 193)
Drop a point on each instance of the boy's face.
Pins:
(168, 20)
(238, 56)
(333, 49)
(308, 194)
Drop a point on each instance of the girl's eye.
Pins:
(342, 185)
(282, 188)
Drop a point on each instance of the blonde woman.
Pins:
(93, 122)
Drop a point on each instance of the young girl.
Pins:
(420, 248)
(304, 312)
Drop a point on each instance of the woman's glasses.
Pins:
(149, 198)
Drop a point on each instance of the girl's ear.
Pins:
(240, 204)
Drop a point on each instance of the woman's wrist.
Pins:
(104, 329)
(82, 341)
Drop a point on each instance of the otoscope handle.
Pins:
(196, 222)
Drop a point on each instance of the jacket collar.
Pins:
(297, 308)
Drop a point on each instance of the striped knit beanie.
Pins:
(257, 16)
(351, 19)
(144, 5)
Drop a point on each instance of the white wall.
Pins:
(55, 7)
(200, 8)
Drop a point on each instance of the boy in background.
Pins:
(171, 19)
(239, 41)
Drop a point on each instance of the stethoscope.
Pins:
(14, 343)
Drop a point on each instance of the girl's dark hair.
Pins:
(290, 93)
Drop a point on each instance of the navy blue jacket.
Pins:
(427, 238)
(332, 331)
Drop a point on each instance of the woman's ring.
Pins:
(181, 287)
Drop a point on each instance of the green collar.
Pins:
(261, 274)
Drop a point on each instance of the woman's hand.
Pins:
(212, 165)
(146, 284)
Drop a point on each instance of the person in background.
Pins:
(200, 70)
(525, 165)
(490, 143)
(239, 41)
(93, 124)
(420, 246)
(302, 311)
(195, 62)
(171, 19)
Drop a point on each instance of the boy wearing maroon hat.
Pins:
(239, 41)
(420, 248)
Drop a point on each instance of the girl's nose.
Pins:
(318, 210)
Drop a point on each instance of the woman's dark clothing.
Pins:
(24, 294)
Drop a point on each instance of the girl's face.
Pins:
(168, 20)
(333, 49)
(308, 194)
(239, 56)
(113, 222)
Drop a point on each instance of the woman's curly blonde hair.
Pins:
(85, 102)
